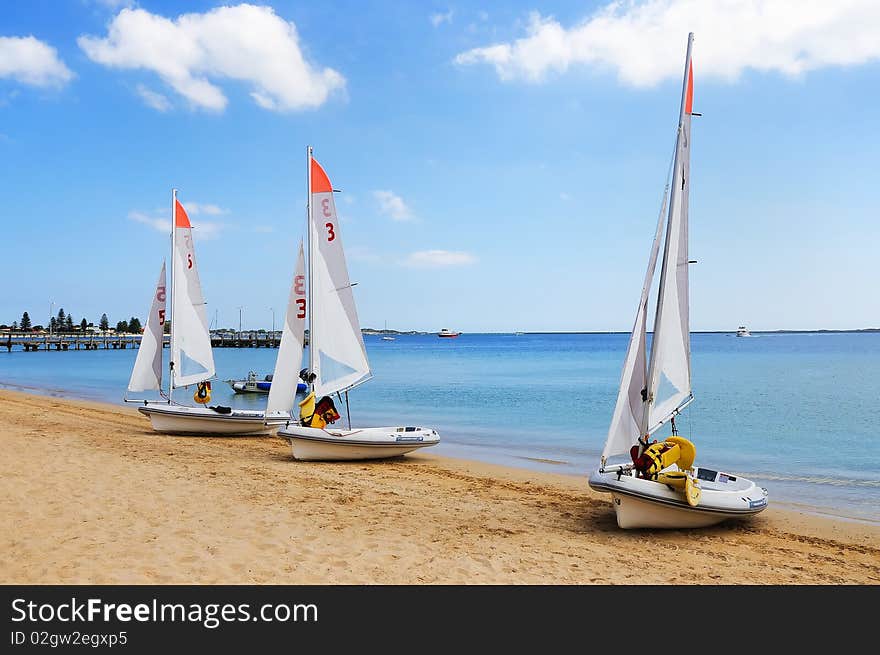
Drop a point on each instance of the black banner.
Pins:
(135, 618)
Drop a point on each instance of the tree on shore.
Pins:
(121, 327)
(105, 323)
(25, 321)
(53, 324)
(134, 325)
(68, 324)
(83, 324)
(62, 320)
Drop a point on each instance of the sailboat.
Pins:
(337, 356)
(385, 335)
(660, 486)
(191, 360)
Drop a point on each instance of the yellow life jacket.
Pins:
(307, 414)
(203, 392)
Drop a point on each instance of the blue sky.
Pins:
(502, 163)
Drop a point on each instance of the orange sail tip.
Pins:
(689, 98)
(181, 219)
(320, 181)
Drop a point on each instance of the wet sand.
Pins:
(91, 494)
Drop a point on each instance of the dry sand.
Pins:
(91, 495)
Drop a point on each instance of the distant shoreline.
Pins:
(820, 331)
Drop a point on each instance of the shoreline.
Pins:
(477, 454)
(95, 496)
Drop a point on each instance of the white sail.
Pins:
(625, 428)
(338, 357)
(147, 372)
(669, 381)
(290, 351)
(191, 355)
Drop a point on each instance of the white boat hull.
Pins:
(313, 444)
(640, 503)
(202, 421)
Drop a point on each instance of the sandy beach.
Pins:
(92, 495)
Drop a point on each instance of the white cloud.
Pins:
(438, 259)
(644, 42)
(393, 205)
(196, 208)
(438, 18)
(207, 230)
(203, 229)
(152, 99)
(246, 43)
(156, 222)
(33, 62)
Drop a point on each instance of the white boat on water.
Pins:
(657, 484)
(448, 334)
(252, 384)
(337, 355)
(191, 359)
(742, 331)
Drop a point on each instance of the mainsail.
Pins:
(337, 355)
(191, 357)
(290, 351)
(147, 372)
(650, 395)
(669, 373)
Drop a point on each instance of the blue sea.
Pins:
(798, 413)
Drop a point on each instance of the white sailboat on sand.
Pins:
(191, 360)
(660, 486)
(337, 355)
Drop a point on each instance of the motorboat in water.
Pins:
(337, 355)
(253, 385)
(742, 331)
(656, 484)
(447, 333)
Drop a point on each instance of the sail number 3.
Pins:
(325, 205)
(299, 288)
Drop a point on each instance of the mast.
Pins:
(311, 312)
(653, 372)
(173, 294)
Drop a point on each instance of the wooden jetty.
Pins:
(33, 342)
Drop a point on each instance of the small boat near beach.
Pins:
(448, 334)
(337, 355)
(657, 484)
(742, 331)
(191, 359)
(251, 384)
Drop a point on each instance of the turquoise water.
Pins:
(798, 413)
